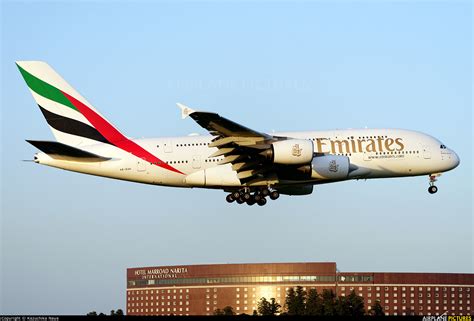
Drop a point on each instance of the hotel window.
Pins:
(369, 301)
(215, 302)
(237, 302)
(412, 289)
(237, 308)
(403, 288)
(386, 301)
(386, 295)
(386, 307)
(238, 289)
(237, 295)
(369, 294)
(420, 307)
(208, 290)
(378, 288)
(395, 301)
(208, 302)
(215, 289)
(386, 288)
(395, 289)
(369, 288)
(360, 288)
(378, 295)
(187, 290)
(395, 295)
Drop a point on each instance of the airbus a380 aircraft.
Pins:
(249, 165)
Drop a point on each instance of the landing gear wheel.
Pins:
(236, 194)
(240, 201)
(257, 197)
(246, 196)
(432, 189)
(265, 192)
(251, 201)
(230, 198)
(274, 195)
(262, 202)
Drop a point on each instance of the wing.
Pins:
(240, 146)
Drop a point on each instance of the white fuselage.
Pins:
(373, 153)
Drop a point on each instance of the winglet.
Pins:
(185, 110)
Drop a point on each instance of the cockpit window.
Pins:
(443, 146)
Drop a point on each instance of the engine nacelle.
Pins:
(291, 152)
(330, 167)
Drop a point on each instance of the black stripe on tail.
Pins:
(72, 126)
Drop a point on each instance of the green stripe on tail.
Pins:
(44, 89)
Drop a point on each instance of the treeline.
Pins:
(312, 303)
(119, 312)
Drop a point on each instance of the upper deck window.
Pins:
(443, 147)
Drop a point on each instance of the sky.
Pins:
(67, 238)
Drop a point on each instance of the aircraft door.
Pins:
(426, 152)
(141, 165)
(196, 161)
(168, 146)
(367, 156)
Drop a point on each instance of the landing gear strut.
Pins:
(433, 189)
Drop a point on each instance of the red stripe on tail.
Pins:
(115, 137)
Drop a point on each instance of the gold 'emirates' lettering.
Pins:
(366, 145)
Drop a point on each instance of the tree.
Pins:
(92, 313)
(119, 312)
(328, 302)
(267, 308)
(300, 301)
(355, 305)
(377, 310)
(228, 310)
(290, 301)
(314, 305)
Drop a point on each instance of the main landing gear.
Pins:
(433, 189)
(257, 197)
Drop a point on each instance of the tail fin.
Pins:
(72, 119)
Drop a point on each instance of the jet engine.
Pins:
(290, 152)
(330, 167)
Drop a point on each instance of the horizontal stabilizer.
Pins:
(63, 151)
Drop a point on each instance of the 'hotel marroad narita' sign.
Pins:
(161, 273)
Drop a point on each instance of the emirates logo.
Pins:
(333, 167)
(296, 150)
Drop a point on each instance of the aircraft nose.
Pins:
(455, 159)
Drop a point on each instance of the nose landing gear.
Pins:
(433, 189)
